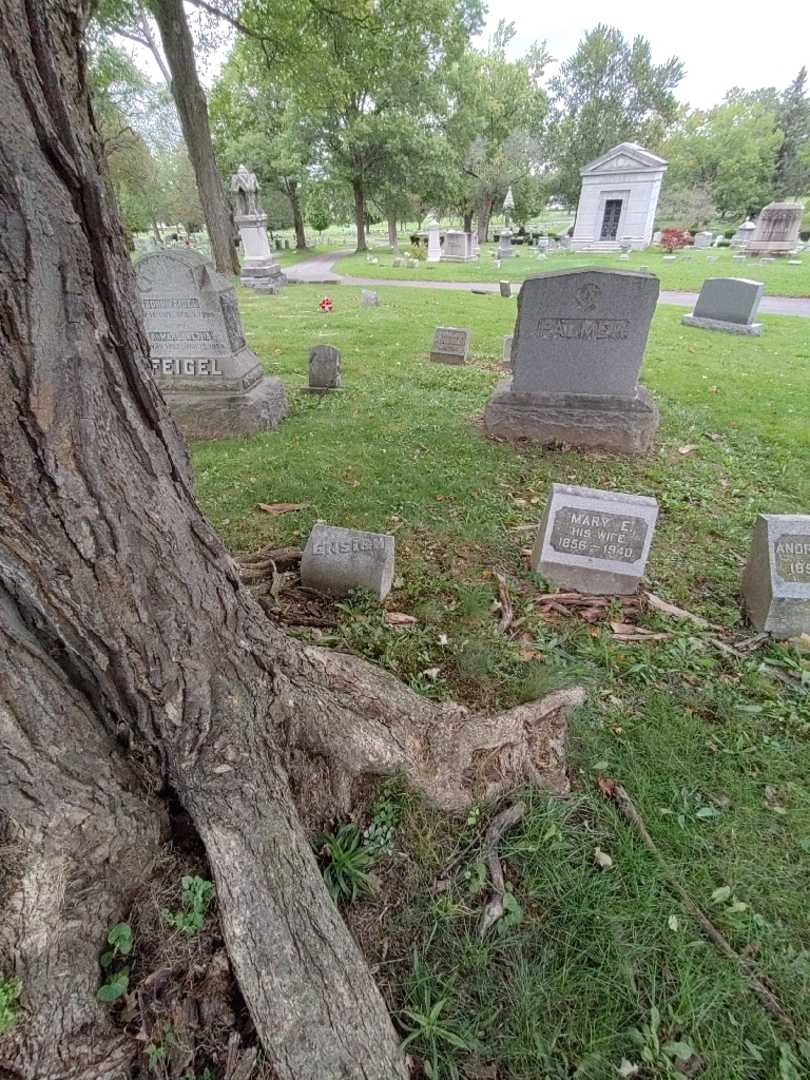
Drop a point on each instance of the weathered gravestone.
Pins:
(450, 345)
(324, 369)
(214, 385)
(579, 343)
(594, 541)
(458, 247)
(727, 304)
(336, 560)
(506, 289)
(259, 268)
(776, 581)
(368, 298)
(703, 240)
(505, 249)
(777, 229)
(507, 349)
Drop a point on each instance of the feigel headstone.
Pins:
(594, 541)
(259, 268)
(776, 581)
(336, 560)
(450, 345)
(214, 385)
(506, 289)
(324, 369)
(727, 304)
(368, 298)
(579, 344)
(777, 229)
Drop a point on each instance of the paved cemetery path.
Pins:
(320, 268)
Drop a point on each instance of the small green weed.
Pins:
(348, 861)
(378, 838)
(10, 990)
(117, 982)
(197, 896)
(430, 1034)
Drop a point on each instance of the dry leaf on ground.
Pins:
(399, 618)
(281, 508)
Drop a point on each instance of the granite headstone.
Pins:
(594, 541)
(324, 369)
(579, 344)
(776, 581)
(450, 345)
(337, 560)
(729, 305)
(213, 383)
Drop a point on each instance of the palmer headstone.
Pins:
(336, 561)
(213, 383)
(450, 345)
(595, 541)
(727, 304)
(579, 344)
(324, 369)
(776, 581)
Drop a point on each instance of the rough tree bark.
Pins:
(468, 220)
(134, 666)
(193, 110)
(360, 214)
(393, 234)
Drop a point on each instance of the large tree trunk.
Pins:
(134, 666)
(193, 110)
(393, 234)
(484, 214)
(468, 220)
(298, 218)
(360, 214)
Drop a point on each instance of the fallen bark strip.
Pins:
(507, 611)
(500, 824)
(766, 997)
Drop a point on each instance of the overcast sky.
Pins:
(721, 45)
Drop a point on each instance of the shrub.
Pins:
(804, 235)
(416, 251)
(724, 243)
(197, 895)
(729, 234)
(671, 239)
(347, 863)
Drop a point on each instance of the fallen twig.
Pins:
(500, 824)
(766, 996)
(507, 611)
(675, 612)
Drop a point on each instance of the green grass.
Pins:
(779, 278)
(715, 753)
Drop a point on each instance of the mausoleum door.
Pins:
(610, 220)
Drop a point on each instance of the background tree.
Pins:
(136, 671)
(608, 92)
(497, 107)
(792, 177)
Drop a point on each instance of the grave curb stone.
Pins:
(744, 329)
(363, 560)
(593, 573)
(226, 416)
(776, 605)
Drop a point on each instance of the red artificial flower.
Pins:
(326, 304)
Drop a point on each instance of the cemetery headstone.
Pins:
(214, 385)
(776, 581)
(656, 236)
(777, 229)
(450, 345)
(505, 249)
(624, 258)
(738, 258)
(259, 268)
(507, 349)
(458, 247)
(729, 305)
(506, 289)
(670, 258)
(369, 298)
(398, 261)
(324, 369)
(336, 561)
(743, 234)
(579, 343)
(594, 541)
(703, 240)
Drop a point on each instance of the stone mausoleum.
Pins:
(618, 200)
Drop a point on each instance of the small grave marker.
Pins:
(337, 560)
(594, 541)
(324, 369)
(506, 289)
(776, 581)
(729, 305)
(368, 298)
(450, 345)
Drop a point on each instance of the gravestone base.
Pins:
(749, 329)
(267, 277)
(322, 389)
(625, 425)
(211, 414)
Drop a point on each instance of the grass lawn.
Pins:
(688, 276)
(592, 966)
